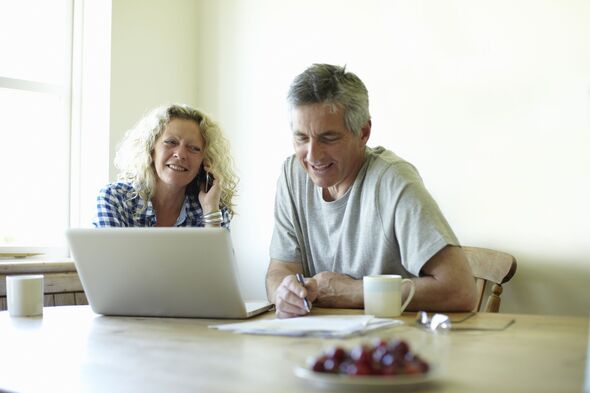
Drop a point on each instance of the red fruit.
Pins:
(360, 369)
(387, 359)
(318, 365)
(331, 366)
(361, 354)
(412, 368)
(394, 369)
(378, 353)
(400, 348)
(380, 358)
(379, 343)
(422, 365)
(346, 367)
(337, 353)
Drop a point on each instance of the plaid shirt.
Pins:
(117, 206)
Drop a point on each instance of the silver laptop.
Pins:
(160, 272)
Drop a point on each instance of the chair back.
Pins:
(490, 266)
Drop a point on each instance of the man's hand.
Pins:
(290, 295)
(283, 289)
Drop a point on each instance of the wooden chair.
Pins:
(490, 266)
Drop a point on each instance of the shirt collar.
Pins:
(150, 213)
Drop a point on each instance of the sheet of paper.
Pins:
(336, 326)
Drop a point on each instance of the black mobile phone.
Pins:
(206, 178)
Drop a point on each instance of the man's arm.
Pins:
(285, 292)
(446, 283)
(339, 290)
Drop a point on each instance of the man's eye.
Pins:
(331, 138)
(301, 138)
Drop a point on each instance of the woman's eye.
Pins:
(169, 142)
(195, 149)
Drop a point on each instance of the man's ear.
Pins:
(366, 132)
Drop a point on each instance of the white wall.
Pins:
(490, 100)
(154, 60)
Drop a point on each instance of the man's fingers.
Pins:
(288, 301)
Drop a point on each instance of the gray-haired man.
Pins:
(344, 210)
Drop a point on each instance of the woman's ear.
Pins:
(206, 165)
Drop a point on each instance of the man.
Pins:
(344, 210)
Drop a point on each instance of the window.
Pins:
(35, 80)
(47, 149)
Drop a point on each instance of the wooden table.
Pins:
(71, 349)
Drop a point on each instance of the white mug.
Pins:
(383, 295)
(24, 295)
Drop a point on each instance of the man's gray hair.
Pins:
(332, 85)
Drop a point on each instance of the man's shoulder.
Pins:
(292, 170)
(382, 155)
(383, 162)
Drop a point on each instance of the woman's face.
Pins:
(178, 154)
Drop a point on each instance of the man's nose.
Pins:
(314, 151)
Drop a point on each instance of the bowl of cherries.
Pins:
(380, 363)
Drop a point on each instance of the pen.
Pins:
(300, 280)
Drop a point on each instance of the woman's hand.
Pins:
(210, 200)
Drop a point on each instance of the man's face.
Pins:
(330, 153)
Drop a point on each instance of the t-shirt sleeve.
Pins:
(284, 245)
(110, 210)
(420, 228)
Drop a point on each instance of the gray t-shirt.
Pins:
(386, 223)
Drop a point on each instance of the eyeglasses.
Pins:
(438, 322)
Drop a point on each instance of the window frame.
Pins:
(86, 96)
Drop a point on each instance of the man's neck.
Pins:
(337, 191)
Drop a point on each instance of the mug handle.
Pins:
(411, 294)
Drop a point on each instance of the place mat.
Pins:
(474, 324)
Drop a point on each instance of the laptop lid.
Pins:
(160, 272)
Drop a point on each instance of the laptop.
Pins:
(160, 272)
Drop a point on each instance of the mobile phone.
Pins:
(206, 178)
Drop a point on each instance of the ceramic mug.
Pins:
(24, 295)
(383, 295)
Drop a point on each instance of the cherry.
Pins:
(400, 348)
(361, 354)
(337, 353)
(318, 365)
(380, 358)
(331, 366)
(360, 369)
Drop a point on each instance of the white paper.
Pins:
(335, 326)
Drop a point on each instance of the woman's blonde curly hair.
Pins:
(134, 156)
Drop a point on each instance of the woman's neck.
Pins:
(167, 205)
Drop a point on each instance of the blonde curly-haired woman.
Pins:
(175, 169)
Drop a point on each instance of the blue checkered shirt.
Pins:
(117, 205)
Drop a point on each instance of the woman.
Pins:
(164, 163)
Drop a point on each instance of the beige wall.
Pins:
(155, 59)
(490, 100)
